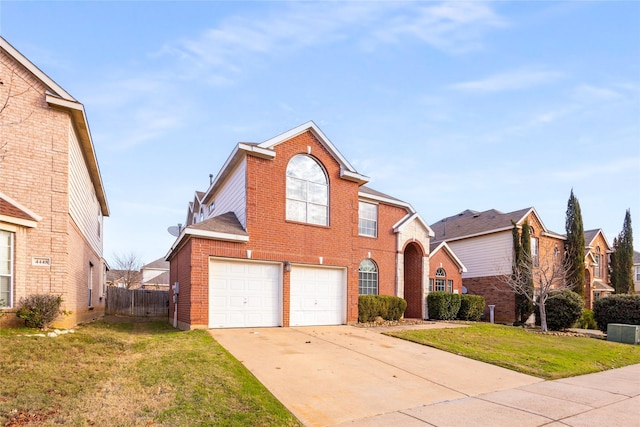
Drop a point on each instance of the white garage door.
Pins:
(244, 294)
(318, 296)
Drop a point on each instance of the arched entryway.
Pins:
(413, 293)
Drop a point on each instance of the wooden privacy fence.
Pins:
(137, 302)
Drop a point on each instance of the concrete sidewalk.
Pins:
(348, 376)
(610, 398)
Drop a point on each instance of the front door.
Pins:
(413, 291)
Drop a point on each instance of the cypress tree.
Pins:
(522, 254)
(622, 258)
(575, 246)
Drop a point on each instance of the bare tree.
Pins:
(127, 267)
(549, 274)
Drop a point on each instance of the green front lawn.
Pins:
(126, 374)
(541, 355)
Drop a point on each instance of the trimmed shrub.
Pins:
(586, 321)
(563, 309)
(471, 307)
(623, 308)
(386, 306)
(39, 310)
(443, 305)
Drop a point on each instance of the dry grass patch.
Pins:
(129, 374)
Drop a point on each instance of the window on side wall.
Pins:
(368, 278)
(441, 280)
(534, 251)
(598, 268)
(307, 191)
(368, 219)
(6, 269)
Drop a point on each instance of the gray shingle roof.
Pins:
(369, 190)
(159, 263)
(225, 223)
(589, 235)
(471, 222)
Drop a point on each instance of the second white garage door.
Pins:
(318, 296)
(244, 294)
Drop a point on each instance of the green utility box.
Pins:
(628, 334)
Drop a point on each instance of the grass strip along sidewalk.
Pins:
(544, 356)
(129, 374)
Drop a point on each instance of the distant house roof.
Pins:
(160, 263)
(14, 213)
(590, 236)
(160, 279)
(471, 223)
(599, 286)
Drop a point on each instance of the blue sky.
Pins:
(448, 106)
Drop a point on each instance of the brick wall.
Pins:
(274, 238)
(494, 292)
(34, 172)
(444, 260)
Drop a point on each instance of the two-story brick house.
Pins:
(596, 262)
(52, 200)
(483, 241)
(287, 234)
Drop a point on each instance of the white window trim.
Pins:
(12, 244)
(375, 221)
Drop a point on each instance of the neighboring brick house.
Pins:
(155, 275)
(483, 242)
(288, 235)
(52, 200)
(596, 260)
(445, 269)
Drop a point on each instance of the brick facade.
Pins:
(274, 238)
(35, 172)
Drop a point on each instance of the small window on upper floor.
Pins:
(368, 219)
(598, 267)
(211, 207)
(307, 191)
(201, 214)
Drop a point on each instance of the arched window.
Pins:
(598, 269)
(307, 191)
(441, 280)
(368, 278)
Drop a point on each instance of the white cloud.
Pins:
(511, 80)
(238, 43)
(454, 27)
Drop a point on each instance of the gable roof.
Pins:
(590, 236)
(470, 223)
(160, 263)
(435, 247)
(265, 150)
(14, 213)
(59, 98)
(346, 170)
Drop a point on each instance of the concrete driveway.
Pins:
(330, 375)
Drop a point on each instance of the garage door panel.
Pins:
(244, 294)
(318, 296)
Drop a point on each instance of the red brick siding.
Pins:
(413, 292)
(274, 238)
(34, 173)
(494, 292)
(444, 260)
